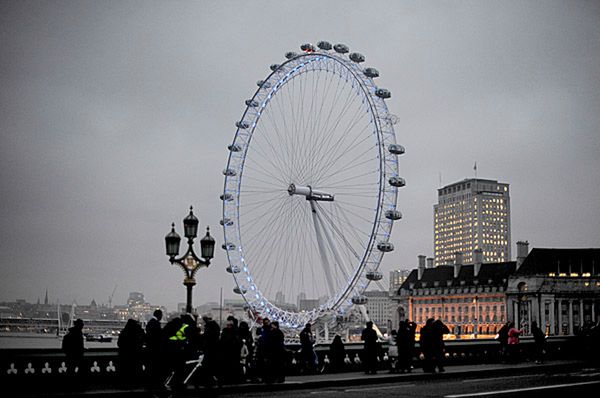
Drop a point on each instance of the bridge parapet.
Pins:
(47, 368)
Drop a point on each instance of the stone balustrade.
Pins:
(48, 367)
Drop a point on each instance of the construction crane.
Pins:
(111, 297)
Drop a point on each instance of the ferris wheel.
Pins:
(311, 185)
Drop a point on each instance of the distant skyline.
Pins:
(115, 117)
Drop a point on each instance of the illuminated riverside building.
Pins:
(470, 214)
(557, 288)
(469, 298)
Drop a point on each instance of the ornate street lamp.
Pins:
(189, 262)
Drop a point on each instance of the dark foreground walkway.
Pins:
(328, 381)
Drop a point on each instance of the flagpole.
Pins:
(221, 308)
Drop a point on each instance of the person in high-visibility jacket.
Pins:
(180, 334)
(182, 344)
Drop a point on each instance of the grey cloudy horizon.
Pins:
(115, 117)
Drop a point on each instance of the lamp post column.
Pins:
(189, 284)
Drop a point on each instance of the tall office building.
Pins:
(472, 214)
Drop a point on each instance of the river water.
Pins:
(44, 341)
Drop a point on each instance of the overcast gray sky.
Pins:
(115, 118)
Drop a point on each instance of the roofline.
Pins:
(471, 180)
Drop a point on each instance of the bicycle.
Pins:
(169, 387)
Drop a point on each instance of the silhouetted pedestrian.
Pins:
(72, 346)
(439, 348)
(131, 343)
(276, 355)
(308, 357)
(261, 348)
(154, 350)
(503, 340)
(539, 339)
(246, 361)
(210, 348)
(369, 336)
(426, 344)
(392, 341)
(229, 353)
(337, 353)
(595, 342)
(405, 341)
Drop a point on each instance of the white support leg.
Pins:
(322, 251)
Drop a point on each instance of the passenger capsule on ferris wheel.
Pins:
(239, 290)
(226, 222)
(383, 93)
(359, 300)
(371, 72)
(324, 45)
(357, 57)
(341, 48)
(374, 275)
(234, 148)
(226, 197)
(397, 182)
(385, 247)
(308, 48)
(229, 172)
(263, 84)
(228, 246)
(290, 54)
(251, 103)
(396, 149)
(393, 215)
(274, 67)
(242, 124)
(233, 270)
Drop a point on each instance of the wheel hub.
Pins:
(309, 193)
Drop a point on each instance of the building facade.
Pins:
(397, 278)
(557, 288)
(471, 214)
(470, 299)
(378, 307)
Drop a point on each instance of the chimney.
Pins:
(522, 251)
(430, 262)
(477, 261)
(458, 260)
(421, 266)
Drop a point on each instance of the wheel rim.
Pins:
(284, 147)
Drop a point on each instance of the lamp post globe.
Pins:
(172, 241)
(190, 225)
(207, 245)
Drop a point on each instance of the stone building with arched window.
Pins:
(557, 288)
